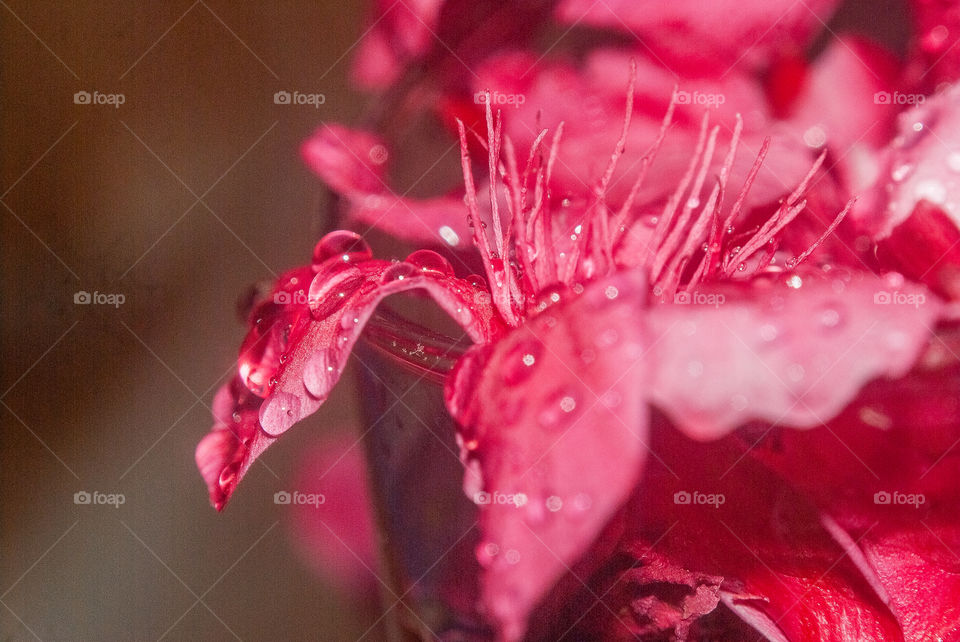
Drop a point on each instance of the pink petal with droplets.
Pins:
(790, 350)
(550, 415)
(316, 361)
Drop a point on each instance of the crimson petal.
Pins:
(553, 440)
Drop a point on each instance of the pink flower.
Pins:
(709, 394)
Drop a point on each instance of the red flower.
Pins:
(700, 401)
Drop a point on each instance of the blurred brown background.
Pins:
(114, 399)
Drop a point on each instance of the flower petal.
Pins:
(343, 297)
(553, 440)
(793, 350)
(294, 353)
(589, 101)
(711, 509)
(695, 38)
(353, 163)
(891, 494)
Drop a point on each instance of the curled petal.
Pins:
(301, 341)
(553, 439)
(314, 364)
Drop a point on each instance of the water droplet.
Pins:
(830, 317)
(795, 372)
(331, 288)
(486, 552)
(477, 281)
(611, 399)
(398, 272)
(447, 234)
(430, 261)
(279, 412)
(341, 245)
(228, 475)
(893, 280)
(794, 281)
(557, 410)
(519, 362)
(693, 202)
(900, 172)
(319, 375)
(513, 556)
(554, 503)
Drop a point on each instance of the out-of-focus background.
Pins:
(178, 200)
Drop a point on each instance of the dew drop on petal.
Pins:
(520, 361)
(228, 474)
(430, 261)
(451, 237)
(342, 245)
(319, 375)
(486, 552)
(554, 503)
(331, 288)
(398, 272)
(279, 412)
(477, 281)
